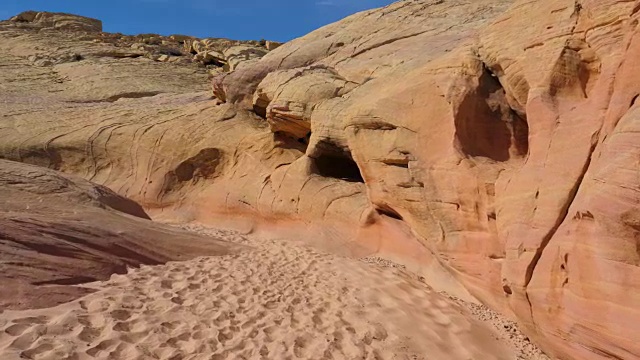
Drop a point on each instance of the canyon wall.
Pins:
(492, 144)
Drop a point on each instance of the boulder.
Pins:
(27, 16)
(288, 98)
(203, 45)
(138, 46)
(272, 45)
(235, 55)
(223, 52)
(58, 21)
(180, 38)
(210, 57)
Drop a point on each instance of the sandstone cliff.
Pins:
(492, 144)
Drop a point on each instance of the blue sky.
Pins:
(279, 20)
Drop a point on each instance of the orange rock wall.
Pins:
(491, 144)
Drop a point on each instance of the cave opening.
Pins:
(487, 126)
(305, 140)
(338, 168)
(260, 110)
(330, 160)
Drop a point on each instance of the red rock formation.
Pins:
(58, 231)
(491, 143)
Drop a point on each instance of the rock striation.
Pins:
(217, 55)
(490, 146)
(45, 21)
(57, 231)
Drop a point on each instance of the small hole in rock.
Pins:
(338, 168)
(388, 211)
(334, 161)
(305, 140)
(633, 101)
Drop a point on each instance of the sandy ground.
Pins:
(276, 301)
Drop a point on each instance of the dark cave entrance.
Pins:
(487, 126)
(330, 160)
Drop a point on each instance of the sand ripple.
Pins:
(276, 301)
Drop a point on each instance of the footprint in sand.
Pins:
(121, 314)
(89, 334)
(275, 302)
(177, 300)
(25, 340)
(105, 345)
(122, 326)
(169, 325)
(133, 337)
(299, 345)
(42, 349)
(224, 336)
(17, 329)
(199, 335)
(166, 284)
(96, 305)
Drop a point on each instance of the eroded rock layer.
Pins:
(492, 144)
(59, 231)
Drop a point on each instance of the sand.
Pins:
(275, 301)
